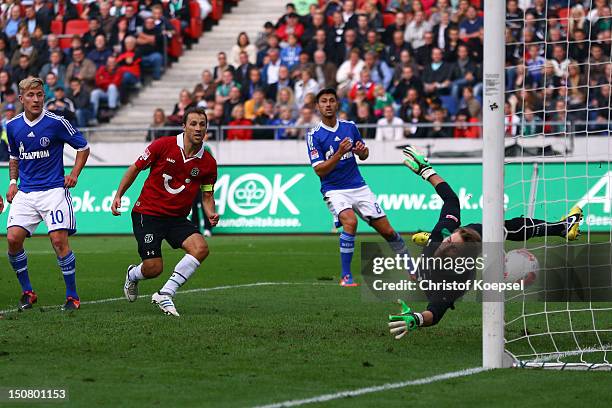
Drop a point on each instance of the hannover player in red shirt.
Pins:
(181, 168)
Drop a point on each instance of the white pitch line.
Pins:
(378, 388)
(246, 285)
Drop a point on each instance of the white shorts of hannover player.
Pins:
(362, 200)
(54, 206)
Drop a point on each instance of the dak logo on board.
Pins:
(148, 238)
(195, 171)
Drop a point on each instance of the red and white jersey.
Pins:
(174, 181)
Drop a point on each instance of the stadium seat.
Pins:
(195, 23)
(79, 27)
(57, 27)
(450, 104)
(388, 19)
(175, 47)
(217, 10)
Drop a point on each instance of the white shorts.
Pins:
(53, 206)
(361, 200)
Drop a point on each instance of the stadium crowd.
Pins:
(91, 54)
(409, 63)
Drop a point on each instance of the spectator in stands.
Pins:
(270, 70)
(422, 55)
(463, 129)
(118, 9)
(184, 103)
(284, 81)
(337, 29)
(467, 74)
(285, 120)
(223, 89)
(253, 82)
(65, 11)
(441, 27)
(107, 21)
(10, 98)
(348, 44)
(290, 54)
(135, 22)
(348, 73)
(292, 26)
(61, 105)
(243, 45)
(560, 61)
(416, 118)
(179, 9)
(108, 81)
(289, 9)
(362, 28)
(320, 42)
(471, 24)
(324, 71)
(234, 99)
(453, 43)
(307, 120)
(221, 67)
(44, 15)
(81, 100)
(254, 106)
(262, 56)
(89, 38)
(406, 82)
(364, 84)
(398, 45)
(389, 126)
(11, 26)
(145, 8)
(438, 75)
(380, 72)
(265, 118)
(348, 14)
(100, 53)
(262, 37)
(438, 130)
(208, 85)
(129, 65)
(4, 65)
(29, 19)
(307, 84)
(398, 25)
(317, 23)
(119, 33)
(597, 62)
(579, 47)
(382, 100)
(81, 68)
(215, 120)
(26, 49)
(162, 23)
(531, 125)
(285, 98)
(364, 117)
(23, 70)
(50, 84)
(244, 68)
(51, 45)
(159, 121)
(511, 121)
(470, 103)
(239, 120)
(6, 85)
(54, 66)
(150, 45)
(415, 31)
(372, 44)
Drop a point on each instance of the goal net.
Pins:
(557, 117)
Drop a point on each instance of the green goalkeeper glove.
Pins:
(417, 162)
(400, 324)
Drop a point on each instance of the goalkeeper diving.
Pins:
(449, 239)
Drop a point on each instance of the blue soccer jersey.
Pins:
(39, 148)
(323, 142)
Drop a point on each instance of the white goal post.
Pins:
(554, 333)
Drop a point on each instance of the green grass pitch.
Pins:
(247, 346)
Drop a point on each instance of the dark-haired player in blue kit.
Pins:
(36, 141)
(332, 147)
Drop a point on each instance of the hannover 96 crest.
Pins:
(195, 171)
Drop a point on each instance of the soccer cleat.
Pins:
(27, 299)
(421, 238)
(71, 304)
(130, 288)
(347, 281)
(573, 219)
(165, 303)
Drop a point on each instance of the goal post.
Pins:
(555, 106)
(493, 179)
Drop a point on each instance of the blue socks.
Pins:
(19, 262)
(347, 247)
(68, 266)
(399, 247)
